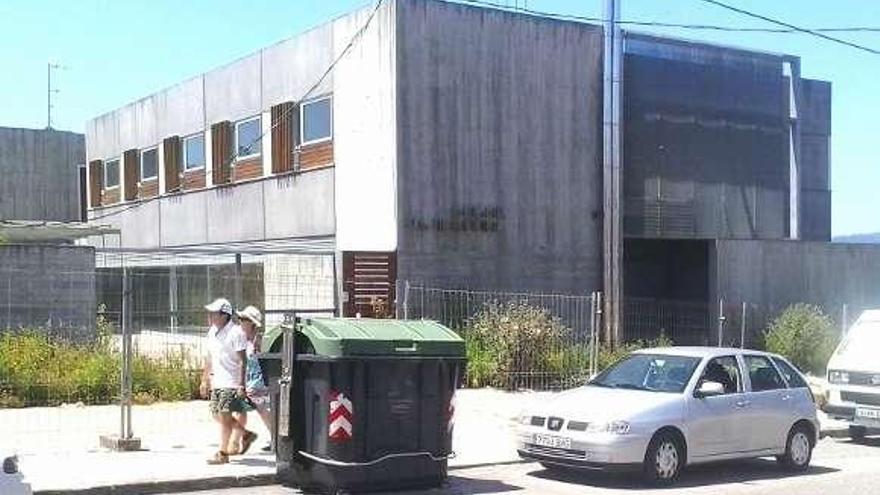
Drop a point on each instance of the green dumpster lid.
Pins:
(339, 337)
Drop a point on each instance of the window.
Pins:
(792, 377)
(194, 152)
(248, 134)
(762, 374)
(723, 370)
(316, 122)
(651, 372)
(149, 164)
(111, 173)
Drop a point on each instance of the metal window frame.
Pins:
(141, 164)
(259, 152)
(186, 139)
(302, 120)
(107, 162)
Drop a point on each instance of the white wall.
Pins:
(365, 145)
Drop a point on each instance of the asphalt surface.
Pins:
(839, 467)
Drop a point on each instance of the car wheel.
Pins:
(798, 449)
(857, 433)
(664, 459)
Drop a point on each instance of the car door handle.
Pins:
(743, 403)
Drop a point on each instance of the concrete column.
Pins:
(160, 150)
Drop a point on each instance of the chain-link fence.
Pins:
(515, 340)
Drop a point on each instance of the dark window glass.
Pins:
(791, 375)
(149, 164)
(194, 152)
(762, 374)
(111, 173)
(317, 120)
(723, 370)
(247, 138)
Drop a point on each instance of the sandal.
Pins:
(219, 457)
(246, 441)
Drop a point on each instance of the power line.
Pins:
(355, 37)
(812, 32)
(703, 27)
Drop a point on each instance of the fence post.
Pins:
(742, 328)
(405, 303)
(238, 286)
(843, 319)
(720, 322)
(172, 296)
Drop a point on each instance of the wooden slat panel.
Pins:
(130, 166)
(316, 155)
(194, 180)
(285, 121)
(221, 149)
(368, 277)
(248, 169)
(96, 182)
(110, 196)
(172, 155)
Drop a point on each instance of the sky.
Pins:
(114, 52)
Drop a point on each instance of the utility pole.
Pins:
(612, 173)
(49, 91)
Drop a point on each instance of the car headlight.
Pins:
(614, 427)
(10, 465)
(525, 419)
(838, 377)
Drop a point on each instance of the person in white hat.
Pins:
(224, 375)
(255, 385)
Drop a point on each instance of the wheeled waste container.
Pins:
(366, 404)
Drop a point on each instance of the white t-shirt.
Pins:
(224, 346)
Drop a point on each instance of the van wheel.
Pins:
(857, 433)
(663, 459)
(798, 449)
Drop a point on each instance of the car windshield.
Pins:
(650, 372)
(861, 342)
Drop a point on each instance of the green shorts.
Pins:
(225, 401)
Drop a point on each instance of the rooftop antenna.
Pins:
(50, 90)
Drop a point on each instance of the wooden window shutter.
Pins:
(221, 150)
(172, 155)
(285, 123)
(131, 170)
(96, 182)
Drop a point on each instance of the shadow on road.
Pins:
(462, 485)
(696, 476)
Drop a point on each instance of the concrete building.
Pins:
(462, 147)
(41, 174)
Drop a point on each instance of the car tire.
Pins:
(663, 460)
(857, 433)
(798, 449)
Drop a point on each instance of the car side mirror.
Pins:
(709, 389)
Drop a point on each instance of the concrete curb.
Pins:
(176, 486)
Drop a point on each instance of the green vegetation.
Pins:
(37, 370)
(803, 334)
(515, 345)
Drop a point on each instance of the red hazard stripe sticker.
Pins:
(341, 417)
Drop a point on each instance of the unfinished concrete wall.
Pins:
(774, 274)
(48, 287)
(40, 170)
(815, 169)
(499, 123)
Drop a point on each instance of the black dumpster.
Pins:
(367, 404)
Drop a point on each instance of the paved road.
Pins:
(839, 467)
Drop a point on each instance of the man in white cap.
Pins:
(224, 374)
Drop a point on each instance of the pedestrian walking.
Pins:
(224, 376)
(256, 390)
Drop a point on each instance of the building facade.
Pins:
(462, 147)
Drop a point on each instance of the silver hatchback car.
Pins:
(658, 410)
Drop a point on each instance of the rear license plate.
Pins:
(552, 441)
(868, 413)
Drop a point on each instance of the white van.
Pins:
(854, 377)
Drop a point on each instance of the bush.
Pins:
(804, 335)
(36, 370)
(510, 344)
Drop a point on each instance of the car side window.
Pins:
(723, 370)
(762, 374)
(792, 377)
